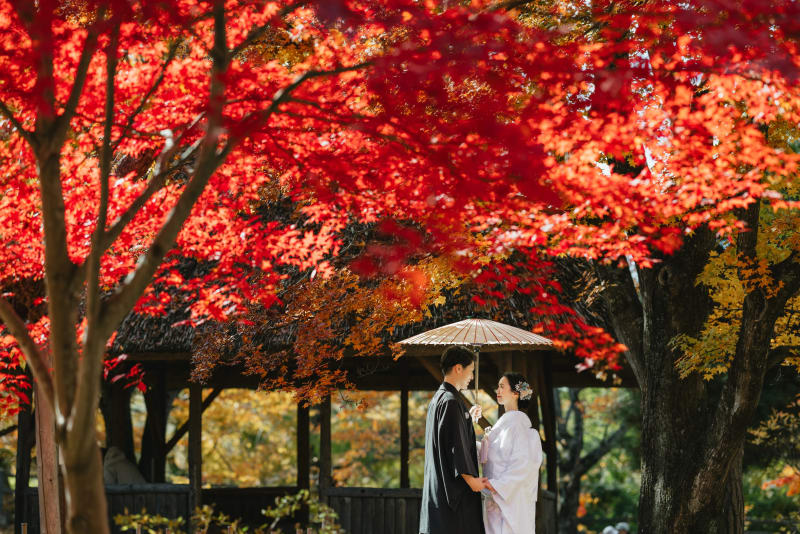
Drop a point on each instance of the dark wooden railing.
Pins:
(396, 511)
(374, 510)
(245, 503)
(168, 500)
(360, 510)
(172, 501)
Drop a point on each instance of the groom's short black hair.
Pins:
(454, 356)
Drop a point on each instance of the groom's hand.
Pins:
(476, 412)
(488, 485)
(475, 484)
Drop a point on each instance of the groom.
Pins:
(451, 499)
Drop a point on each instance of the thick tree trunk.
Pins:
(693, 431)
(674, 445)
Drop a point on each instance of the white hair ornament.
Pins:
(524, 390)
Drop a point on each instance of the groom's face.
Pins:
(464, 375)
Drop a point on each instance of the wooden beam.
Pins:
(159, 357)
(437, 374)
(325, 460)
(303, 447)
(180, 432)
(549, 416)
(404, 439)
(502, 361)
(195, 443)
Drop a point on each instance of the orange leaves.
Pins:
(790, 478)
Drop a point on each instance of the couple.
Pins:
(511, 453)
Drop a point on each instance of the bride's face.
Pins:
(504, 393)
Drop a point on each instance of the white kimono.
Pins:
(512, 467)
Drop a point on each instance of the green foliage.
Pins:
(610, 490)
(204, 519)
(780, 433)
(768, 502)
(149, 523)
(322, 516)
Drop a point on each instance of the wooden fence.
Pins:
(374, 510)
(360, 510)
(172, 501)
(396, 511)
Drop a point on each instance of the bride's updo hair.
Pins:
(514, 380)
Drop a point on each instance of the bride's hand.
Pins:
(476, 412)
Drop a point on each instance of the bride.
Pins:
(512, 453)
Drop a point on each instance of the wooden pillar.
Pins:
(534, 373)
(325, 459)
(303, 447)
(25, 440)
(404, 439)
(51, 509)
(548, 414)
(154, 452)
(195, 443)
(115, 405)
(505, 364)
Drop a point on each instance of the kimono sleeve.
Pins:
(523, 463)
(456, 451)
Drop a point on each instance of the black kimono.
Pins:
(449, 506)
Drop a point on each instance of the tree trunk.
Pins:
(568, 511)
(86, 494)
(674, 446)
(51, 510)
(693, 430)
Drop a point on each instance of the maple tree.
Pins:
(134, 134)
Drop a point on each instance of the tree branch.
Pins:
(595, 455)
(625, 313)
(284, 95)
(91, 362)
(26, 134)
(509, 5)
(119, 304)
(788, 270)
(33, 355)
(259, 31)
(171, 53)
(184, 428)
(153, 186)
(777, 355)
(61, 125)
(106, 153)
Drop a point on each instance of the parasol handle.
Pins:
(477, 370)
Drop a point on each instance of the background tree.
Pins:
(581, 449)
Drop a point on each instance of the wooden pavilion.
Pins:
(165, 352)
(165, 349)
